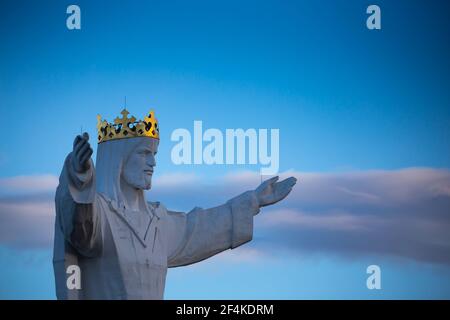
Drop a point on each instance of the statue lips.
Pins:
(148, 172)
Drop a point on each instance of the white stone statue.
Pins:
(123, 244)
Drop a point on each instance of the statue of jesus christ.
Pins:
(123, 244)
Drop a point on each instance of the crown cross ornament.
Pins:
(127, 127)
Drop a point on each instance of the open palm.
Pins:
(271, 191)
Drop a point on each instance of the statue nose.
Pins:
(151, 161)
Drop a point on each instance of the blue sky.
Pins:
(345, 99)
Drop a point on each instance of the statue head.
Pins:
(138, 167)
(126, 154)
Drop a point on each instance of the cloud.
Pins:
(170, 180)
(27, 224)
(28, 184)
(299, 220)
(245, 254)
(399, 213)
(27, 211)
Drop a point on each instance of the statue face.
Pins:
(138, 168)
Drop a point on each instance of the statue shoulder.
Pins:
(155, 204)
(158, 208)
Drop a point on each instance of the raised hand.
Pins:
(271, 191)
(81, 153)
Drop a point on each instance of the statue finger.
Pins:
(80, 143)
(292, 180)
(76, 141)
(273, 179)
(269, 182)
(79, 152)
(86, 151)
(86, 136)
(86, 156)
(281, 194)
(288, 182)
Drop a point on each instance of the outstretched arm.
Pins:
(202, 233)
(76, 215)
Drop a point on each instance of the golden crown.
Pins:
(127, 127)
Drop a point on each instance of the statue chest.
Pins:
(138, 238)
